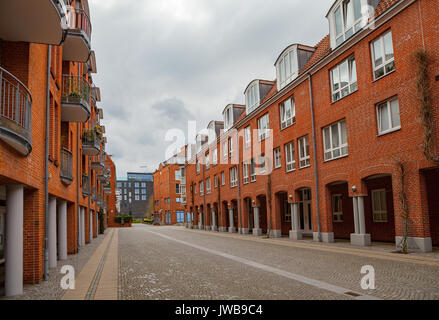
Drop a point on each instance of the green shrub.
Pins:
(126, 219)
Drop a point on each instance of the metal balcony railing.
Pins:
(15, 108)
(93, 194)
(91, 139)
(66, 165)
(78, 20)
(85, 185)
(76, 89)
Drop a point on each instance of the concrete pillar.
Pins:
(295, 233)
(52, 238)
(214, 226)
(62, 231)
(200, 221)
(14, 241)
(360, 238)
(83, 226)
(232, 228)
(90, 226)
(257, 231)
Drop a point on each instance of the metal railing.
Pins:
(79, 20)
(93, 194)
(75, 89)
(85, 185)
(66, 164)
(90, 138)
(15, 104)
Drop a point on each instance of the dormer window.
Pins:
(228, 118)
(286, 67)
(346, 18)
(252, 97)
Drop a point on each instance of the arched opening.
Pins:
(305, 211)
(340, 209)
(432, 191)
(249, 214)
(262, 199)
(283, 212)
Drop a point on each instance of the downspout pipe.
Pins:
(316, 172)
(238, 172)
(78, 160)
(46, 169)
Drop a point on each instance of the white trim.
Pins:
(341, 146)
(385, 62)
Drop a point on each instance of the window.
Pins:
(287, 68)
(348, 20)
(215, 179)
(382, 55)
(119, 185)
(201, 188)
(337, 207)
(195, 188)
(228, 118)
(143, 198)
(225, 150)
(277, 158)
(215, 157)
(263, 126)
(208, 186)
(177, 189)
(208, 161)
(137, 185)
(247, 137)
(379, 205)
(388, 116)
(230, 147)
(290, 156)
(143, 191)
(137, 198)
(223, 178)
(287, 113)
(344, 79)
(137, 191)
(262, 164)
(335, 141)
(252, 170)
(143, 184)
(252, 97)
(233, 177)
(304, 158)
(287, 208)
(245, 172)
(198, 166)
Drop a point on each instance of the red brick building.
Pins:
(342, 145)
(54, 172)
(169, 192)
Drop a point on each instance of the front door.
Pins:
(2, 249)
(305, 213)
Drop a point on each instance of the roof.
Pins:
(299, 47)
(323, 48)
(383, 6)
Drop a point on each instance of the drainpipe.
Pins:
(78, 160)
(46, 169)
(204, 195)
(239, 186)
(316, 173)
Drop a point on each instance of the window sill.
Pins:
(291, 171)
(377, 79)
(333, 159)
(389, 131)
(305, 167)
(294, 122)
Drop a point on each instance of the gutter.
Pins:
(316, 172)
(239, 186)
(46, 169)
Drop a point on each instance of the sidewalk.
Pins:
(377, 250)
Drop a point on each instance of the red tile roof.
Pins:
(323, 48)
(383, 6)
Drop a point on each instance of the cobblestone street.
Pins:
(177, 263)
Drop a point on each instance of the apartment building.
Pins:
(170, 192)
(135, 194)
(343, 144)
(54, 172)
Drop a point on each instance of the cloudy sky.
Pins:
(162, 63)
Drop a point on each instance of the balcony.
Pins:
(93, 194)
(37, 21)
(85, 185)
(99, 163)
(66, 173)
(107, 187)
(77, 44)
(91, 143)
(105, 175)
(75, 99)
(15, 113)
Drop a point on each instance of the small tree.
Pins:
(101, 221)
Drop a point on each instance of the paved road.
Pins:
(176, 263)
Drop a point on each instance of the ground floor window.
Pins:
(379, 205)
(337, 207)
(180, 216)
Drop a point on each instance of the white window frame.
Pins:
(215, 157)
(223, 178)
(262, 163)
(264, 127)
(342, 148)
(286, 67)
(230, 147)
(202, 188)
(233, 177)
(337, 216)
(385, 63)
(379, 216)
(207, 160)
(247, 137)
(208, 186)
(228, 118)
(245, 171)
(252, 171)
(215, 181)
(277, 158)
(285, 120)
(225, 149)
(347, 30)
(252, 97)
(304, 156)
(290, 157)
(198, 166)
(388, 105)
(352, 84)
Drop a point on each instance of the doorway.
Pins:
(305, 211)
